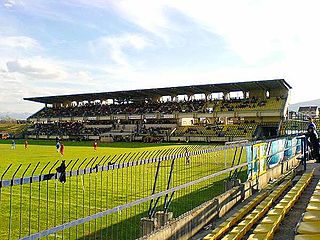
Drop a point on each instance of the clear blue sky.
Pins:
(54, 47)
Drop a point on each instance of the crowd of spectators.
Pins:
(65, 129)
(97, 109)
(153, 131)
(96, 128)
(55, 128)
(239, 104)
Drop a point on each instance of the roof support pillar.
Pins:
(226, 95)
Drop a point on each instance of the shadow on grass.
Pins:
(130, 228)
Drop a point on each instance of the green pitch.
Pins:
(34, 207)
(45, 151)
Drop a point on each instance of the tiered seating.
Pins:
(248, 104)
(66, 129)
(180, 131)
(294, 125)
(243, 130)
(197, 131)
(245, 225)
(214, 131)
(274, 103)
(239, 224)
(233, 220)
(270, 223)
(260, 204)
(200, 106)
(99, 109)
(317, 122)
(308, 228)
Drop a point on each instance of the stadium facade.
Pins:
(211, 112)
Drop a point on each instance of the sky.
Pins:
(53, 47)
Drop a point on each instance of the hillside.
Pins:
(18, 116)
(12, 127)
(295, 107)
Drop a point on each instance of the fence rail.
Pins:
(112, 164)
(105, 198)
(125, 206)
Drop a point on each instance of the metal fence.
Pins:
(105, 198)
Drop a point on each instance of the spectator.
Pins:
(313, 142)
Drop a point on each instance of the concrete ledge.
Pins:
(188, 224)
(191, 222)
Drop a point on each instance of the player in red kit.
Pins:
(95, 145)
(61, 149)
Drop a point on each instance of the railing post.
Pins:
(304, 151)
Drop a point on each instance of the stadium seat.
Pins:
(307, 237)
(265, 228)
(315, 199)
(272, 220)
(276, 212)
(311, 216)
(259, 236)
(316, 193)
(309, 227)
(230, 222)
(313, 206)
(261, 203)
(230, 236)
(245, 225)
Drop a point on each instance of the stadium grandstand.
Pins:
(197, 113)
(246, 189)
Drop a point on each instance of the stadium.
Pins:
(198, 113)
(214, 161)
(159, 120)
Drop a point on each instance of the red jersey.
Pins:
(62, 149)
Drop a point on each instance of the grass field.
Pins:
(39, 206)
(44, 151)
